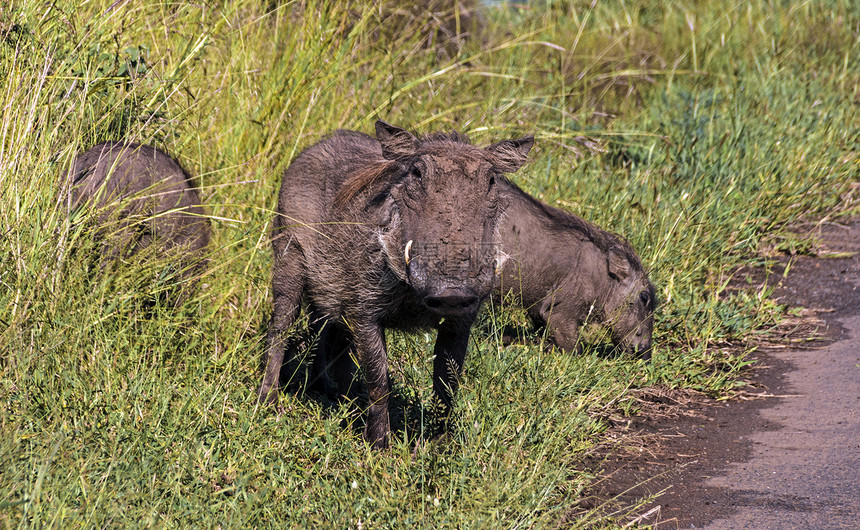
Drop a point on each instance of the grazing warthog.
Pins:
(142, 198)
(565, 271)
(388, 232)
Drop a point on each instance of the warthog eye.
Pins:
(416, 172)
(645, 298)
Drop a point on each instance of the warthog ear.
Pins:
(619, 265)
(510, 155)
(396, 142)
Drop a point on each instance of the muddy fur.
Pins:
(387, 232)
(566, 271)
(143, 198)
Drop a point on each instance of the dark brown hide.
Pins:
(142, 198)
(566, 271)
(388, 232)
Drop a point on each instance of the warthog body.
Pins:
(142, 198)
(387, 232)
(566, 271)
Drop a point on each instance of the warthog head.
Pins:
(438, 226)
(630, 303)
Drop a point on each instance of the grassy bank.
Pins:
(697, 131)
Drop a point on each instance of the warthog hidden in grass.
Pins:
(143, 199)
(388, 232)
(566, 271)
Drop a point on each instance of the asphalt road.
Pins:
(806, 474)
(785, 454)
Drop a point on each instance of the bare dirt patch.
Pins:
(786, 452)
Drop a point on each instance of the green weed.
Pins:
(699, 132)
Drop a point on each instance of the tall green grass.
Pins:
(697, 131)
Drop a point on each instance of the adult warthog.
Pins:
(388, 232)
(566, 271)
(143, 199)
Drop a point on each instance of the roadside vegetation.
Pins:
(699, 131)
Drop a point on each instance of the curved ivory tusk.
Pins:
(406, 252)
(499, 262)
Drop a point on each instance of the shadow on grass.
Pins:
(411, 419)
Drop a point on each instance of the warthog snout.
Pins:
(474, 263)
(451, 278)
(641, 347)
(453, 301)
(644, 354)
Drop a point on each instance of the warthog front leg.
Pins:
(450, 351)
(370, 347)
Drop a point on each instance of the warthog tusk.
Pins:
(499, 262)
(406, 251)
